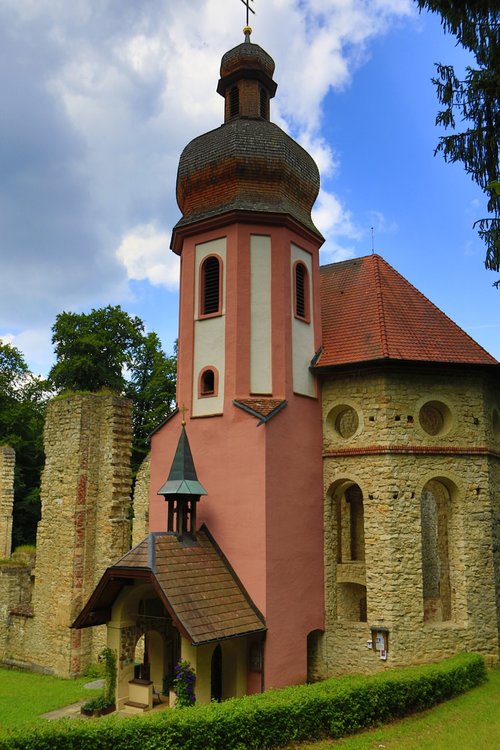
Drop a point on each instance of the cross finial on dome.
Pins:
(248, 29)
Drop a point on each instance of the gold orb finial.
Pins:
(247, 30)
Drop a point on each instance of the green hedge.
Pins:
(331, 708)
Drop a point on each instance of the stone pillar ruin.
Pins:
(7, 463)
(84, 527)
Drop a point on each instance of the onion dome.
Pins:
(248, 164)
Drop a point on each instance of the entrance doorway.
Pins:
(216, 675)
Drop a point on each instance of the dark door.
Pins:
(216, 675)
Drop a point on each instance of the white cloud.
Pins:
(380, 223)
(336, 224)
(102, 97)
(146, 256)
(321, 151)
(36, 342)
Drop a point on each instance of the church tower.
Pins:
(249, 327)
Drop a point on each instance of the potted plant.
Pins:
(98, 706)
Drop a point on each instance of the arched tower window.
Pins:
(208, 382)
(210, 302)
(351, 526)
(435, 510)
(264, 104)
(234, 102)
(350, 591)
(301, 292)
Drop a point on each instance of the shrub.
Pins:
(94, 671)
(23, 556)
(183, 684)
(108, 658)
(334, 707)
(107, 665)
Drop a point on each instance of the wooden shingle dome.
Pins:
(248, 164)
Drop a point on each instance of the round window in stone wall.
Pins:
(434, 417)
(346, 421)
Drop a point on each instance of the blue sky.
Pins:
(100, 97)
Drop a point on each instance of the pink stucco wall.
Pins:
(264, 483)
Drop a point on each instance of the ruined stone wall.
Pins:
(84, 528)
(16, 586)
(7, 463)
(398, 437)
(140, 523)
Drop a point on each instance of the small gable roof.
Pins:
(262, 408)
(195, 582)
(370, 313)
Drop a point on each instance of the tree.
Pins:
(476, 101)
(107, 348)
(13, 370)
(22, 409)
(152, 391)
(94, 349)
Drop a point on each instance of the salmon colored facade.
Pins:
(264, 504)
(246, 191)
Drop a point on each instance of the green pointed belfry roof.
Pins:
(182, 479)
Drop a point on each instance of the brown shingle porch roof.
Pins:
(196, 584)
(370, 312)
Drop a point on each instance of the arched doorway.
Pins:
(216, 674)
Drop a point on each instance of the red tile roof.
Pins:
(195, 583)
(370, 312)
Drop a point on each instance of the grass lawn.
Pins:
(469, 722)
(25, 695)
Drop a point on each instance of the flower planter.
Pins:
(97, 711)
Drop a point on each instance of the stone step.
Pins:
(133, 707)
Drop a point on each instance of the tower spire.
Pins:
(182, 491)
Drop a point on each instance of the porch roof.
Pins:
(195, 582)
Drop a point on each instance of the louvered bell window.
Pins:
(210, 303)
(234, 102)
(301, 301)
(263, 104)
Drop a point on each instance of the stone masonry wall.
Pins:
(376, 436)
(16, 587)
(7, 463)
(84, 528)
(140, 524)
